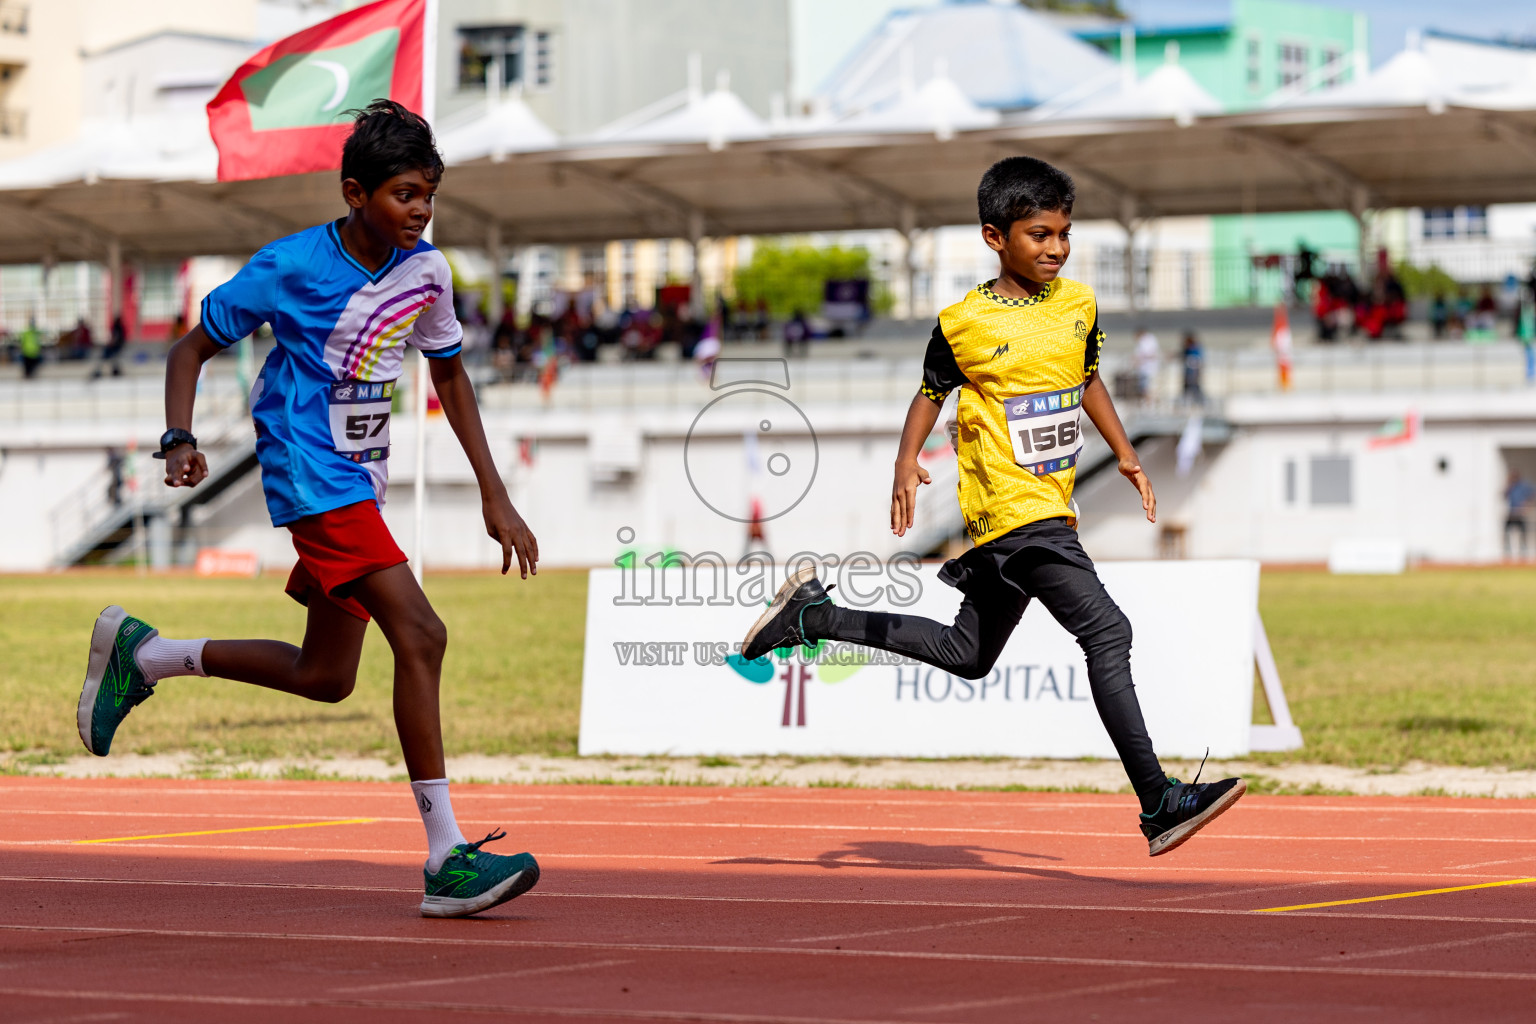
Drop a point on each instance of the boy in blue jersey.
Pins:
(344, 299)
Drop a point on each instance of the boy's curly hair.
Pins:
(1019, 186)
(388, 139)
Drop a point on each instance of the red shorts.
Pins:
(336, 549)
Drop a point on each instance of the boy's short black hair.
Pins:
(1019, 186)
(386, 140)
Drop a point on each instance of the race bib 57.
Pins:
(1044, 429)
(360, 418)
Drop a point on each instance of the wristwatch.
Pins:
(173, 437)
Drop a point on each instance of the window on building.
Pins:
(1333, 67)
(1290, 481)
(627, 274)
(1255, 63)
(1294, 64)
(481, 48)
(1442, 222)
(1475, 221)
(594, 265)
(1439, 222)
(1332, 480)
(543, 60)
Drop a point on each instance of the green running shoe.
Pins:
(472, 880)
(114, 683)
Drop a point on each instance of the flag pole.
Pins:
(428, 111)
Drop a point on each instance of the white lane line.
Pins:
(1040, 997)
(53, 880)
(1427, 947)
(420, 1008)
(913, 928)
(915, 829)
(187, 814)
(814, 902)
(724, 860)
(528, 972)
(1206, 966)
(596, 792)
(1491, 863)
(1214, 893)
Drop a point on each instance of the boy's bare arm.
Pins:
(922, 414)
(502, 521)
(185, 465)
(1101, 410)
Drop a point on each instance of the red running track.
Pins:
(758, 905)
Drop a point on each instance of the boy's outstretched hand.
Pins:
(185, 466)
(505, 526)
(909, 475)
(1131, 470)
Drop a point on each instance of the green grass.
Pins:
(511, 680)
(1435, 666)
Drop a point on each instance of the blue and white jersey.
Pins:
(322, 400)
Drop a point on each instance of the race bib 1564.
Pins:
(1044, 429)
(360, 418)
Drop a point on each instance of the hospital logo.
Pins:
(796, 668)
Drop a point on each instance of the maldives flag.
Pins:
(285, 110)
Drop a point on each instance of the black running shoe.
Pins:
(782, 624)
(1186, 808)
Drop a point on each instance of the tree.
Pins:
(1103, 8)
(791, 278)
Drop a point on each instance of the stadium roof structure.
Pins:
(1300, 158)
(1409, 147)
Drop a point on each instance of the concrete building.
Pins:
(45, 46)
(582, 64)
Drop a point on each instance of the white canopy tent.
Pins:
(717, 118)
(1169, 91)
(161, 147)
(503, 126)
(939, 106)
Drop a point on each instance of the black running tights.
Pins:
(971, 645)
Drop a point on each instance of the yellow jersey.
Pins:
(1021, 365)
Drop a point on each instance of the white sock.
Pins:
(437, 815)
(159, 657)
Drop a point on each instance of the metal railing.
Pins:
(90, 510)
(126, 400)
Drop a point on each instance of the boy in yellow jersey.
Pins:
(1024, 352)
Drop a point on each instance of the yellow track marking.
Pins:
(1395, 896)
(224, 831)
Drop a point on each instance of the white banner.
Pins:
(660, 675)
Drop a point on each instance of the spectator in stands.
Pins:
(1306, 270)
(760, 316)
(1439, 315)
(1194, 363)
(1333, 300)
(31, 344)
(797, 334)
(80, 340)
(504, 345)
(112, 355)
(1147, 355)
(114, 477)
(1519, 494)
(1485, 315)
(1386, 306)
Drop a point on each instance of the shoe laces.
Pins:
(1196, 780)
(474, 847)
